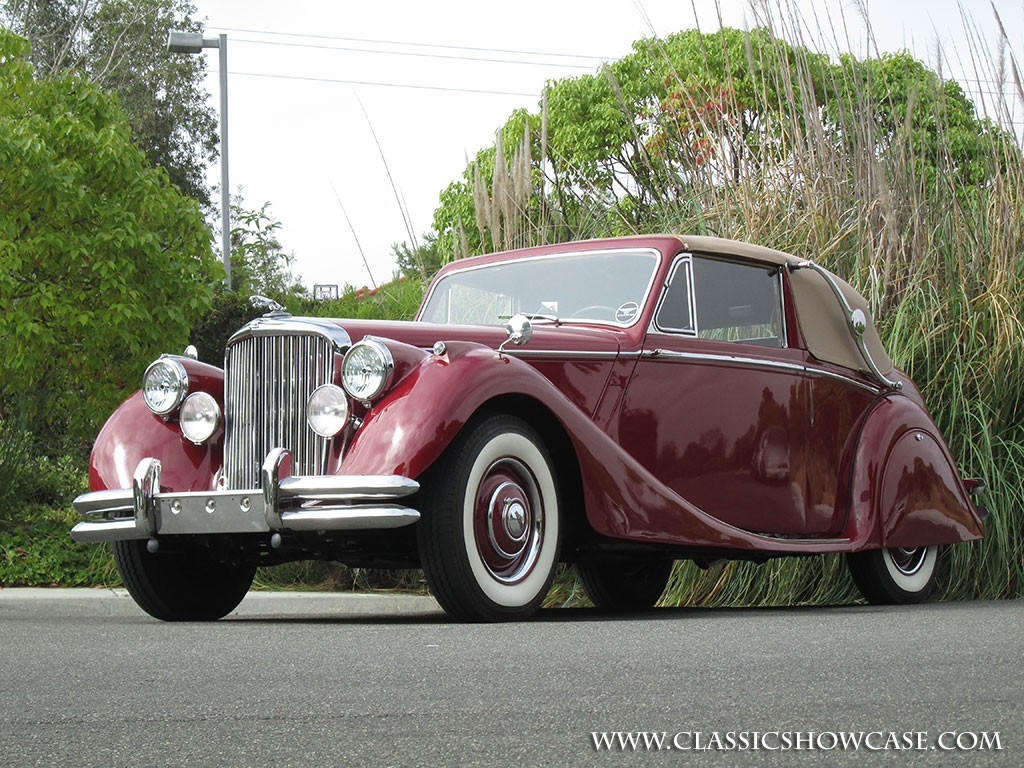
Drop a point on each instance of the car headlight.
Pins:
(164, 385)
(366, 370)
(327, 410)
(200, 417)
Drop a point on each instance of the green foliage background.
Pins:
(103, 262)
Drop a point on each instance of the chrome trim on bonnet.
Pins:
(284, 326)
(321, 503)
(589, 353)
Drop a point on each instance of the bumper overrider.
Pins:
(313, 503)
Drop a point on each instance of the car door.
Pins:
(717, 406)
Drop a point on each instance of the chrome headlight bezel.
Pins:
(322, 400)
(376, 367)
(177, 381)
(204, 405)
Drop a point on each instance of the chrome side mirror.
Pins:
(519, 330)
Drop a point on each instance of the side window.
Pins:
(676, 311)
(738, 302)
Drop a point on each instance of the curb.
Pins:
(35, 601)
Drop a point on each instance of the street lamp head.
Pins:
(185, 42)
(190, 42)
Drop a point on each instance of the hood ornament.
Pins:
(267, 303)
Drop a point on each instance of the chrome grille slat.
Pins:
(269, 378)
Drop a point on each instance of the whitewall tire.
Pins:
(899, 575)
(489, 538)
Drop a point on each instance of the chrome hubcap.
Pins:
(908, 560)
(514, 518)
(508, 520)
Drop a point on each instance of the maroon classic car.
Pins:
(617, 404)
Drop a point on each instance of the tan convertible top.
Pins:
(821, 317)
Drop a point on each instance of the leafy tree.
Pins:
(612, 151)
(411, 259)
(121, 45)
(259, 263)
(103, 262)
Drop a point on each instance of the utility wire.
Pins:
(388, 85)
(421, 45)
(415, 53)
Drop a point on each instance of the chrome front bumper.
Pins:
(319, 503)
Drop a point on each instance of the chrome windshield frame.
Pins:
(643, 302)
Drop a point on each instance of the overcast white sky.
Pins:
(295, 138)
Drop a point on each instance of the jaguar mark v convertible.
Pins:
(617, 404)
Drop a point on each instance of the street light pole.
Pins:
(194, 42)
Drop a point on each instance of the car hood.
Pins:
(546, 337)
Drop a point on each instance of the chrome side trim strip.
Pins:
(840, 377)
(708, 357)
(594, 354)
(669, 354)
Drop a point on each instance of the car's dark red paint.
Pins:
(134, 432)
(670, 443)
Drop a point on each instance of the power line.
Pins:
(414, 53)
(387, 85)
(421, 45)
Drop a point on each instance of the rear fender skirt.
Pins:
(915, 496)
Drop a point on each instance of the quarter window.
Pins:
(738, 302)
(676, 311)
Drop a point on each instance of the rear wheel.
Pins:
(899, 575)
(181, 586)
(490, 533)
(624, 586)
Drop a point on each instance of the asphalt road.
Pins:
(88, 680)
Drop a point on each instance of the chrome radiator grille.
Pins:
(267, 382)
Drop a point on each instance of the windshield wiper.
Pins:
(533, 316)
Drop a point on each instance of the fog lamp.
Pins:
(327, 410)
(200, 417)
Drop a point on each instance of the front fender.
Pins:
(905, 488)
(133, 433)
(409, 428)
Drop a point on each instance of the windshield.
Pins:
(597, 286)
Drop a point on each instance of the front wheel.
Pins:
(490, 534)
(896, 576)
(181, 586)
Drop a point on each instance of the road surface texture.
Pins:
(86, 679)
